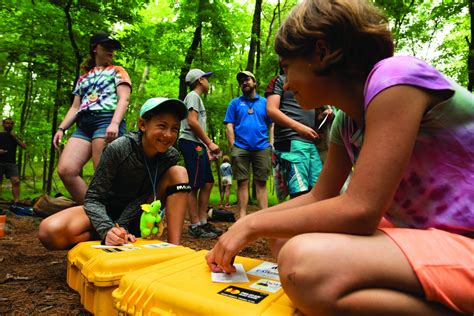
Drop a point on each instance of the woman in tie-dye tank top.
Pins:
(398, 241)
(101, 98)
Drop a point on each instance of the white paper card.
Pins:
(160, 245)
(267, 270)
(237, 277)
(110, 247)
(271, 286)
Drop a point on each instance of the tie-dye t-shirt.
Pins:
(98, 88)
(437, 188)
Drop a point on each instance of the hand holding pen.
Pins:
(118, 236)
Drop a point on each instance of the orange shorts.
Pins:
(443, 263)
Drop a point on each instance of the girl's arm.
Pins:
(67, 122)
(123, 94)
(99, 188)
(278, 117)
(392, 123)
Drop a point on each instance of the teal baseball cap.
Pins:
(174, 105)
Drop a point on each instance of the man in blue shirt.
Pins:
(247, 125)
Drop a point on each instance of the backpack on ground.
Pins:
(47, 205)
(220, 215)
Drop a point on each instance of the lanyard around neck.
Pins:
(152, 179)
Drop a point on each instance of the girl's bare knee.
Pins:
(44, 234)
(178, 174)
(65, 171)
(290, 259)
(49, 230)
(306, 273)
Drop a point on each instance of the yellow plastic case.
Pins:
(183, 286)
(96, 272)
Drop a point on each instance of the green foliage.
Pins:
(37, 48)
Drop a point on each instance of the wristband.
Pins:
(61, 129)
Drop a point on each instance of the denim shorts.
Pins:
(91, 125)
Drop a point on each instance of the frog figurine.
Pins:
(151, 222)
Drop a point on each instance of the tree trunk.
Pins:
(44, 152)
(276, 12)
(57, 104)
(470, 56)
(77, 52)
(189, 60)
(212, 136)
(255, 38)
(24, 109)
(141, 85)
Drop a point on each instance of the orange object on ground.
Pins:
(443, 263)
(3, 222)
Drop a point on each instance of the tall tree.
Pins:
(470, 43)
(191, 54)
(254, 50)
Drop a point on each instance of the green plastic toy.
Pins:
(151, 221)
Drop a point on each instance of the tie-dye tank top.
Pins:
(98, 88)
(437, 188)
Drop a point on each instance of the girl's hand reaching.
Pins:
(221, 257)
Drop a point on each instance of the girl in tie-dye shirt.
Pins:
(398, 240)
(101, 97)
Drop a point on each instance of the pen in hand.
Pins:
(124, 234)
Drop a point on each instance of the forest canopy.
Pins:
(44, 42)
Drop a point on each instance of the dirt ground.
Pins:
(33, 279)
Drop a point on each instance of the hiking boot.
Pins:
(208, 227)
(200, 232)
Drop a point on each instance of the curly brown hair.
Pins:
(355, 31)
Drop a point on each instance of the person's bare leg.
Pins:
(227, 194)
(336, 274)
(243, 196)
(275, 245)
(98, 145)
(65, 229)
(222, 193)
(15, 188)
(262, 194)
(203, 200)
(192, 206)
(175, 204)
(74, 156)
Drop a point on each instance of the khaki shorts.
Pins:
(260, 160)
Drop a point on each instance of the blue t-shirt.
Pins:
(250, 129)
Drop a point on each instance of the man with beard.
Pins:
(247, 125)
(8, 143)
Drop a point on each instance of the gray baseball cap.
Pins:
(195, 74)
(177, 106)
